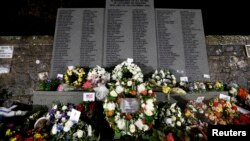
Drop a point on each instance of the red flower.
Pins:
(244, 119)
(234, 108)
(18, 137)
(80, 108)
(170, 137)
(216, 104)
(29, 139)
(236, 122)
(40, 139)
(29, 132)
(92, 106)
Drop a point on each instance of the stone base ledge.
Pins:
(47, 98)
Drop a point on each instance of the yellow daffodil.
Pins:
(69, 72)
(37, 136)
(187, 113)
(8, 132)
(13, 139)
(79, 80)
(166, 89)
(218, 85)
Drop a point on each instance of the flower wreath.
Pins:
(74, 76)
(129, 123)
(127, 70)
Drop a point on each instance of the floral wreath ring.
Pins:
(127, 70)
(130, 123)
(74, 76)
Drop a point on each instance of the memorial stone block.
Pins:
(155, 38)
(78, 39)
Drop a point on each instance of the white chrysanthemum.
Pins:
(113, 93)
(145, 127)
(168, 112)
(129, 83)
(140, 79)
(182, 120)
(119, 89)
(141, 88)
(173, 110)
(111, 106)
(132, 128)
(168, 121)
(63, 119)
(79, 133)
(178, 123)
(150, 101)
(143, 105)
(64, 107)
(121, 124)
(54, 107)
(68, 113)
(117, 117)
(179, 114)
(149, 106)
(54, 129)
(141, 115)
(173, 118)
(58, 115)
(66, 128)
(139, 124)
(148, 112)
(69, 124)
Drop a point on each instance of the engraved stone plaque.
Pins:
(130, 33)
(78, 39)
(181, 42)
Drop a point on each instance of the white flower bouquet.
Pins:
(163, 78)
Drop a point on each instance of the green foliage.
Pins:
(48, 85)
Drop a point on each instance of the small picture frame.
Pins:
(248, 50)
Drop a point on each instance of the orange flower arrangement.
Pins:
(221, 112)
(242, 93)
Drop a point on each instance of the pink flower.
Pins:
(87, 85)
(60, 88)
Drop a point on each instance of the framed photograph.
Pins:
(248, 50)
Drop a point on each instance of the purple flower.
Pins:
(52, 112)
(59, 128)
(10, 125)
(191, 88)
(48, 81)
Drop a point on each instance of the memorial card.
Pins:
(129, 105)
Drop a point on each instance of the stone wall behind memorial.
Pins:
(32, 55)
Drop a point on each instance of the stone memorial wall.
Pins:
(78, 39)
(154, 38)
(130, 33)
